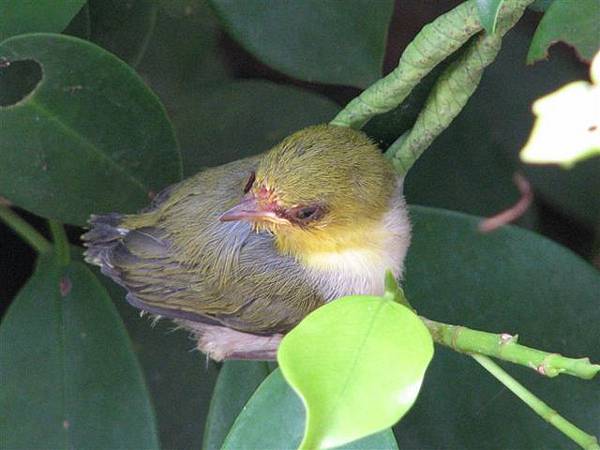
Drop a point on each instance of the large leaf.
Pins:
(358, 364)
(25, 16)
(236, 383)
(574, 22)
(242, 118)
(69, 376)
(180, 379)
(336, 42)
(509, 281)
(88, 137)
(122, 28)
(274, 419)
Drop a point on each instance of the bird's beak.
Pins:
(250, 209)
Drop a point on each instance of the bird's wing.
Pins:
(178, 260)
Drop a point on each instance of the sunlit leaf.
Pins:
(69, 376)
(358, 364)
(567, 128)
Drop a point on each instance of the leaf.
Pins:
(470, 166)
(236, 383)
(18, 17)
(69, 376)
(87, 137)
(540, 5)
(180, 379)
(488, 13)
(511, 281)
(274, 419)
(243, 118)
(122, 28)
(567, 129)
(334, 42)
(357, 375)
(574, 22)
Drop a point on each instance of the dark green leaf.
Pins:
(488, 13)
(335, 42)
(183, 54)
(470, 166)
(541, 5)
(336, 367)
(69, 376)
(573, 22)
(25, 16)
(180, 379)
(274, 419)
(123, 28)
(509, 281)
(236, 383)
(242, 118)
(88, 137)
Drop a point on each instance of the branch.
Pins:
(577, 435)
(453, 89)
(505, 347)
(434, 43)
(23, 229)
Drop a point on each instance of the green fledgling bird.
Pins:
(241, 253)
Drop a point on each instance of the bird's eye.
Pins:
(307, 213)
(250, 182)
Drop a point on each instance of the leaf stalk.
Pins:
(584, 440)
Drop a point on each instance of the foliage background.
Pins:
(225, 104)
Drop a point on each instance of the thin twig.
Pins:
(584, 440)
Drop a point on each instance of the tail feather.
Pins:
(104, 235)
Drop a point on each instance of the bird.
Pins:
(240, 253)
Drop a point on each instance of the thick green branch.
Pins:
(23, 229)
(505, 347)
(434, 43)
(579, 436)
(453, 89)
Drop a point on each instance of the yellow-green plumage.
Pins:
(179, 260)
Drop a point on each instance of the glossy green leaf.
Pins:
(122, 28)
(358, 364)
(274, 419)
(179, 378)
(84, 136)
(236, 383)
(69, 376)
(334, 42)
(238, 119)
(488, 13)
(511, 281)
(25, 16)
(573, 22)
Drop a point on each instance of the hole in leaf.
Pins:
(17, 80)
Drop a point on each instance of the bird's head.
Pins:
(316, 189)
